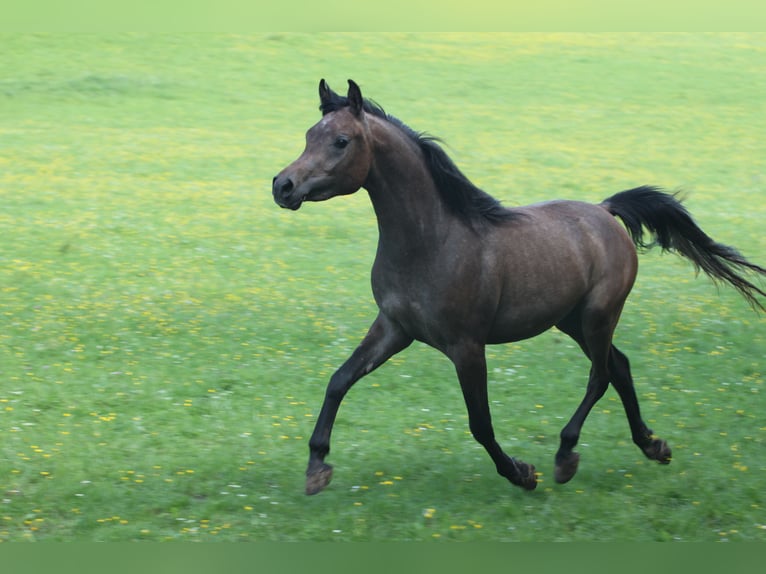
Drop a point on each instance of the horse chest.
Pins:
(404, 303)
(414, 317)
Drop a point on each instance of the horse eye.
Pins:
(341, 142)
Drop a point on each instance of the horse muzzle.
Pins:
(283, 190)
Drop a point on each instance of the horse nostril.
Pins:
(281, 186)
(282, 189)
(286, 186)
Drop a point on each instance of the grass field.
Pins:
(167, 331)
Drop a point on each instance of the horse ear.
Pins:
(355, 100)
(325, 93)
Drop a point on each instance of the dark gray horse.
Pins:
(456, 270)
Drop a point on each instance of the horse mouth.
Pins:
(321, 194)
(293, 205)
(291, 201)
(294, 201)
(316, 194)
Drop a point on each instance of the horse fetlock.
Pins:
(318, 476)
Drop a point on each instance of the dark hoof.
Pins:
(658, 450)
(566, 467)
(524, 475)
(318, 478)
(528, 480)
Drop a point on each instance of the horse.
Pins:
(457, 270)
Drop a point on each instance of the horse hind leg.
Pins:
(653, 447)
(567, 459)
(593, 332)
(608, 364)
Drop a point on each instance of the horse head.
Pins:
(337, 156)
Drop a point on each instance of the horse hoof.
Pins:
(566, 468)
(318, 478)
(658, 450)
(529, 482)
(520, 474)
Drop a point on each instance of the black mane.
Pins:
(473, 205)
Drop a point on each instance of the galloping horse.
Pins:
(458, 271)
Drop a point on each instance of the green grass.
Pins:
(167, 331)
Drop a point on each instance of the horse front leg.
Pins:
(383, 340)
(470, 363)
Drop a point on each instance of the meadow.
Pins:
(168, 332)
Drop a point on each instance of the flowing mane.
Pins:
(475, 206)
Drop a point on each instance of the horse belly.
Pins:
(533, 302)
(520, 324)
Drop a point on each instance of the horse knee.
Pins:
(597, 387)
(619, 367)
(338, 386)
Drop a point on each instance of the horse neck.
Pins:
(411, 215)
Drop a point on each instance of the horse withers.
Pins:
(458, 271)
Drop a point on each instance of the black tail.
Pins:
(674, 230)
